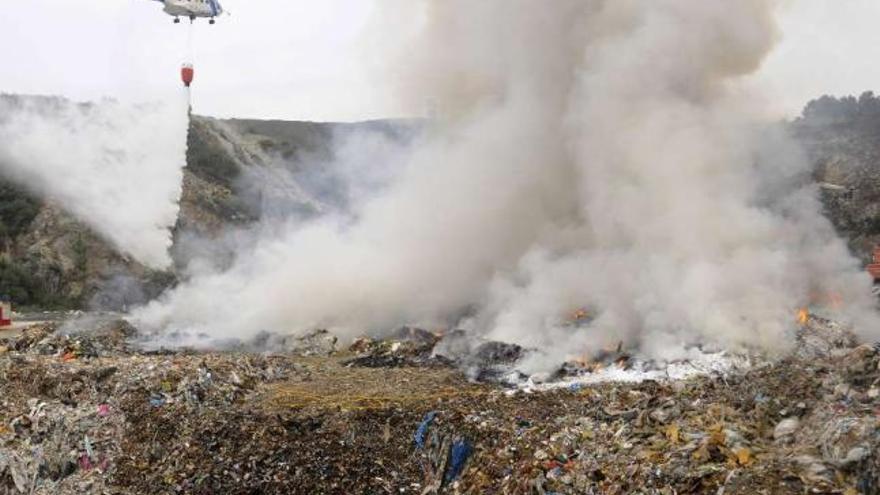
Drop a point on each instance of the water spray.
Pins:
(187, 71)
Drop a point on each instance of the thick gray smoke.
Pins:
(116, 167)
(597, 154)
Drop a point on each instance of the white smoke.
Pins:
(598, 154)
(116, 167)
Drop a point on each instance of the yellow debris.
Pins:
(673, 434)
(743, 456)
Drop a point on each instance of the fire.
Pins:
(587, 364)
(803, 316)
(610, 356)
(579, 315)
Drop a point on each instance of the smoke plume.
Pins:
(116, 167)
(596, 154)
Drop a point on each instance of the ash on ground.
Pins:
(89, 412)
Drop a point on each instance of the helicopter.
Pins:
(192, 9)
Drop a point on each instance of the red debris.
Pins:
(5, 315)
(874, 268)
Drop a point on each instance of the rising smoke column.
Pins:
(116, 167)
(597, 154)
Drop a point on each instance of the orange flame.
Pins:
(580, 314)
(585, 363)
(803, 316)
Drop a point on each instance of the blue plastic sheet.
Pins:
(422, 430)
(461, 451)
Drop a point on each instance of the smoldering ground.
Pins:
(599, 154)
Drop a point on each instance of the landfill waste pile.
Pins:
(89, 412)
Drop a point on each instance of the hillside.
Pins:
(49, 260)
(842, 137)
(238, 170)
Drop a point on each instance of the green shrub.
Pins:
(17, 210)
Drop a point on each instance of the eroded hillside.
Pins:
(240, 170)
(49, 260)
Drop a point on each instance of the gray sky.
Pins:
(301, 59)
(828, 46)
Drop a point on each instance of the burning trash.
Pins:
(580, 315)
(116, 418)
(637, 284)
(803, 316)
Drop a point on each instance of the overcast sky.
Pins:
(301, 59)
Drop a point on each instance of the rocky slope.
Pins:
(49, 260)
(239, 170)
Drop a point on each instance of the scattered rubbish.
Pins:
(493, 353)
(418, 336)
(88, 446)
(61, 434)
(422, 430)
(120, 420)
(461, 451)
(786, 428)
(820, 337)
(315, 343)
(407, 346)
(85, 462)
